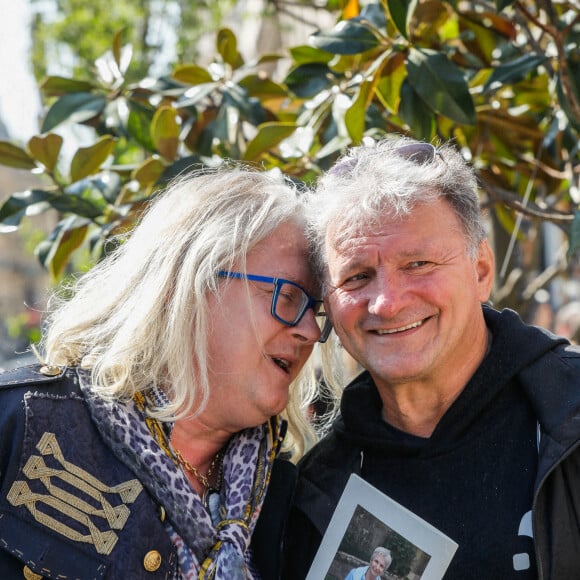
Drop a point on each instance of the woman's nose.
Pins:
(307, 329)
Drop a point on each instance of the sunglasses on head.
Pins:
(420, 153)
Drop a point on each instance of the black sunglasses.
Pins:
(420, 153)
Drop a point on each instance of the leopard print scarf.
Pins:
(208, 550)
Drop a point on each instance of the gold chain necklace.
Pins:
(203, 479)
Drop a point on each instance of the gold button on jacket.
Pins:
(152, 561)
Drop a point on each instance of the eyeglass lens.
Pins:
(291, 302)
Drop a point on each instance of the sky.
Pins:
(19, 98)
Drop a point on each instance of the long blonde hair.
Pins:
(139, 318)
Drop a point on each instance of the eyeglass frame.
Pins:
(278, 282)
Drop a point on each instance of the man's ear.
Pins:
(485, 270)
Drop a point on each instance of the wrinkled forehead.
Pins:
(343, 229)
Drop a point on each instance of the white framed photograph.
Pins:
(366, 519)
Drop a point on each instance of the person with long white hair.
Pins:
(143, 444)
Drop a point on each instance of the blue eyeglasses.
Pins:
(289, 301)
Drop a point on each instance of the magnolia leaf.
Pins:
(414, 111)
(257, 86)
(501, 4)
(30, 201)
(118, 48)
(441, 84)
(73, 108)
(149, 172)
(393, 74)
(13, 156)
(70, 234)
(308, 80)
(268, 136)
(139, 124)
(347, 37)
(46, 149)
(56, 86)
(227, 46)
(15, 207)
(165, 132)
(354, 117)
(88, 160)
(309, 54)
(401, 13)
(192, 74)
(513, 71)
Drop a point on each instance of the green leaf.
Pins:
(401, 13)
(181, 167)
(117, 48)
(347, 37)
(165, 132)
(46, 149)
(56, 86)
(67, 237)
(14, 208)
(388, 88)
(501, 4)
(227, 46)
(514, 71)
(250, 108)
(73, 108)
(139, 124)
(374, 13)
(309, 54)
(13, 156)
(415, 113)
(19, 204)
(149, 172)
(196, 95)
(354, 117)
(441, 84)
(574, 235)
(191, 74)
(308, 80)
(268, 136)
(88, 160)
(262, 88)
(268, 58)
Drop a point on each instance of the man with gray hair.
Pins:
(463, 414)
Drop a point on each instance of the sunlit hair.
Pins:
(386, 555)
(379, 180)
(140, 317)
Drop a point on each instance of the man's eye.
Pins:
(355, 280)
(418, 264)
(357, 277)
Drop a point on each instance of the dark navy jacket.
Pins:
(69, 509)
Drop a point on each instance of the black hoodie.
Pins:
(473, 479)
